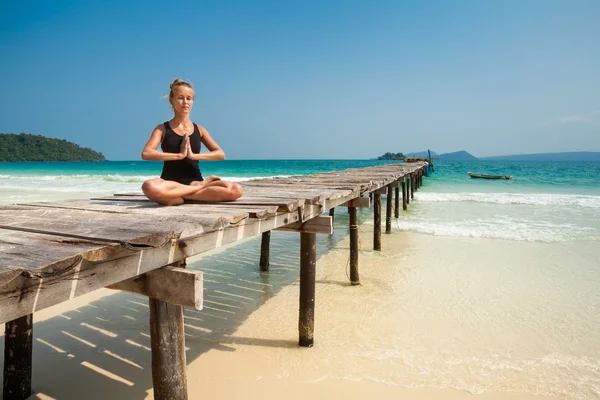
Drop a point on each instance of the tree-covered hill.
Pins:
(391, 156)
(26, 147)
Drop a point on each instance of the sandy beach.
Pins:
(425, 323)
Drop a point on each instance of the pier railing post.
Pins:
(377, 222)
(354, 278)
(167, 340)
(265, 245)
(388, 209)
(18, 351)
(397, 201)
(308, 262)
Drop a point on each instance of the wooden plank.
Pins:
(322, 225)
(284, 204)
(359, 202)
(184, 213)
(173, 285)
(130, 229)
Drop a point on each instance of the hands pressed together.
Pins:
(185, 151)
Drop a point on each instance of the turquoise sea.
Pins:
(545, 201)
(482, 285)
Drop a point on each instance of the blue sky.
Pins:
(308, 79)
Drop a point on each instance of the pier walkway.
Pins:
(51, 252)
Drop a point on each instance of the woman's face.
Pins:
(183, 99)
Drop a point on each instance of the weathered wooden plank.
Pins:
(131, 229)
(173, 285)
(46, 255)
(284, 204)
(359, 202)
(184, 213)
(322, 225)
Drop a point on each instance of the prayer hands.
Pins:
(184, 148)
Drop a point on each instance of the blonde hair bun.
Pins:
(179, 82)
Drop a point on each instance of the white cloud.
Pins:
(584, 118)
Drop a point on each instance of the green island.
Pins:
(27, 147)
(391, 156)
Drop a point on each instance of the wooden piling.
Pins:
(167, 340)
(377, 222)
(354, 277)
(308, 261)
(332, 214)
(416, 177)
(265, 249)
(407, 192)
(412, 186)
(388, 209)
(397, 202)
(18, 340)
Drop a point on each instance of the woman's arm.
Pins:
(151, 151)
(214, 151)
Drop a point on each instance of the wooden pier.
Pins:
(52, 252)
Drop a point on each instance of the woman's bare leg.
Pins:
(168, 193)
(216, 191)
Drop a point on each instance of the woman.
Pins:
(180, 141)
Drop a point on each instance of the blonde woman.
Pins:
(180, 140)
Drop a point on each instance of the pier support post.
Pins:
(388, 209)
(354, 278)
(265, 245)
(412, 186)
(377, 222)
(406, 192)
(167, 340)
(397, 202)
(308, 262)
(332, 214)
(18, 341)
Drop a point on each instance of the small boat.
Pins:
(482, 176)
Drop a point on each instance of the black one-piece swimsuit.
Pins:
(184, 171)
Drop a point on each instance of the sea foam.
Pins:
(543, 199)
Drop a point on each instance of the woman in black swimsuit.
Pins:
(180, 140)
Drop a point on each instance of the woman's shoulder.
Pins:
(162, 127)
(200, 128)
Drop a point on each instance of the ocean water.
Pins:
(482, 286)
(547, 202)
